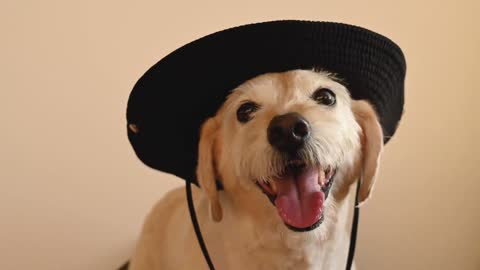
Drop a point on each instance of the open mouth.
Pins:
(299, 194)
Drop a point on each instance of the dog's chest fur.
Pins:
(168, 241)
(306, 257)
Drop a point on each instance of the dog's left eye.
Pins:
(245, 111)
(324, 96)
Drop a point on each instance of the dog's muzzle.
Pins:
(300, 189)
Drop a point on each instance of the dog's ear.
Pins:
(206, 173)
(372, 146)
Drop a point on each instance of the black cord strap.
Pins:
(196, 227)
(353, 234)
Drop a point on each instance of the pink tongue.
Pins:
(299, 198)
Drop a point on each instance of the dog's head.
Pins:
(287, 146)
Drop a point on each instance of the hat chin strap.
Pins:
(198, 233)
(353, 233)
(196, 227)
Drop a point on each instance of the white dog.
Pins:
(288, 148)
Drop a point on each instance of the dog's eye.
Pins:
(244, 112)
(324, 96)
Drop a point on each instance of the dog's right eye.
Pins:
(245, 111)
(324, 96)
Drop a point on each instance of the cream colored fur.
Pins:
(241, 228)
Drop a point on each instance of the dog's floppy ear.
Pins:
(206, 173)
(372, 146)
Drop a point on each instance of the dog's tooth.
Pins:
(330, 173)
(321, 178)
(274, 187)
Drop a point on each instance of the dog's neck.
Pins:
(258, 231)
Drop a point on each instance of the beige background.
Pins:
(73, 195)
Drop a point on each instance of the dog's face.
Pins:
(285, 144)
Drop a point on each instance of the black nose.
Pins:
(288, 132)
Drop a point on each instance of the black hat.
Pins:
(174, 97)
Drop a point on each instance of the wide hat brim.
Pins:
(169, 103)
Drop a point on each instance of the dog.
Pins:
(289, 149)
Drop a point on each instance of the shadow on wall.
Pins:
(125, 266)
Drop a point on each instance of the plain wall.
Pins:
(73, 195)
